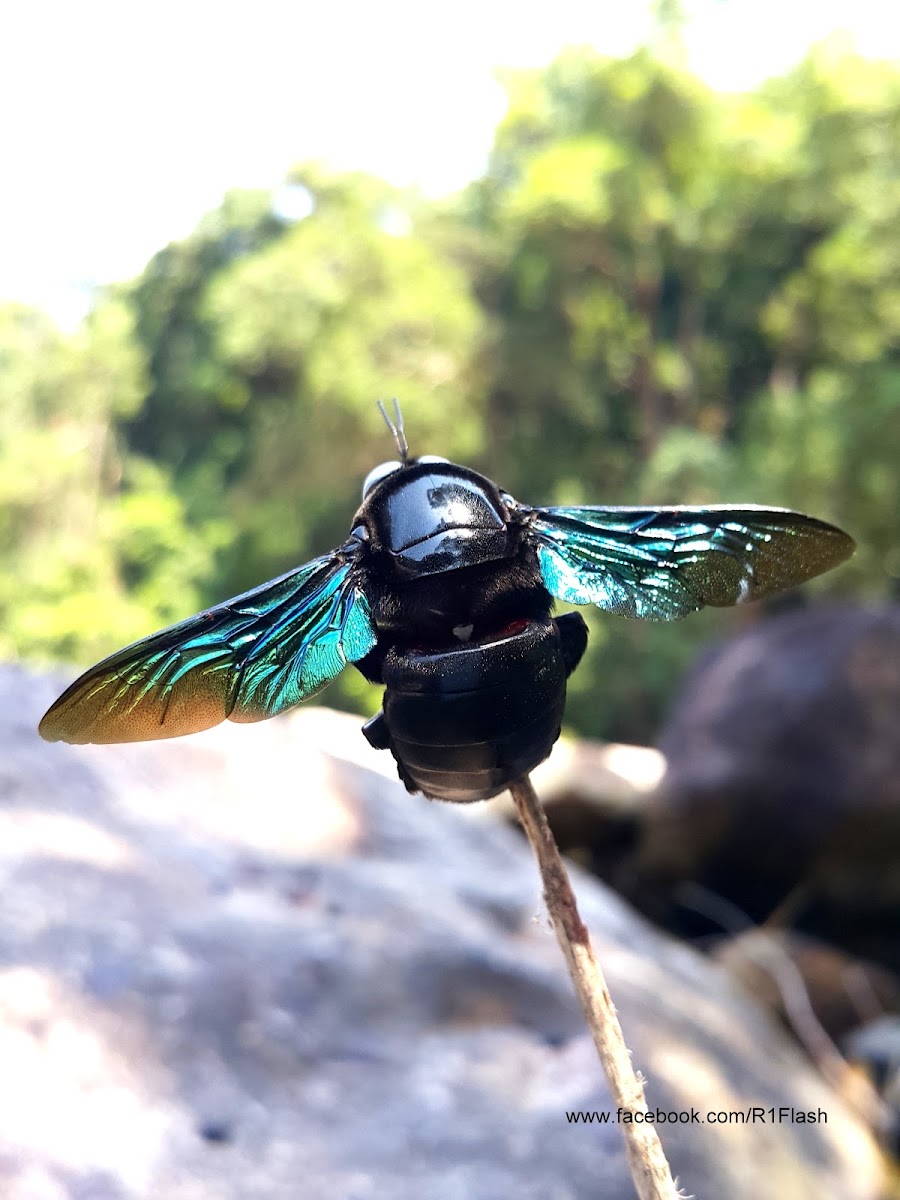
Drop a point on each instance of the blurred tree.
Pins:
(593, 191)
(824, 430)
(94, 550)
(351, 304)
(655, 293)
(193, 419)
(693, 298)
(268, 339)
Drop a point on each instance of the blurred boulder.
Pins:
(595, 795)
(235, 966)
(799, 978)
(782, 789)
(828, 999)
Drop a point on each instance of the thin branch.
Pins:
(646, 1157)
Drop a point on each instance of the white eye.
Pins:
(377, 474)
(432, 458)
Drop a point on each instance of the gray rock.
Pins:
(234, 966)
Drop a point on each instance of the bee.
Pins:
(443, 593)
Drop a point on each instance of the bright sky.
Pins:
(124, 121)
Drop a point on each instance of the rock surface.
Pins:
(233, 967)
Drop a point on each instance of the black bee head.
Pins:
(430, 516)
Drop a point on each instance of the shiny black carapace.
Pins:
(443, 593)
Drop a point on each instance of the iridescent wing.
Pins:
(247, 659)
(663, 563)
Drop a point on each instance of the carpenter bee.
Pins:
(443, 593)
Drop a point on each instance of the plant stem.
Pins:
(646, 1157)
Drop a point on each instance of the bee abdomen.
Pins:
(464, 724)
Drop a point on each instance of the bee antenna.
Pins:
(396, 428)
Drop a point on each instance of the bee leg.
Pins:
(370, 666)
(573, 633)
(376, 733)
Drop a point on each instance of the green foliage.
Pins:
(655, 293)
(94, 549)
(350, 304)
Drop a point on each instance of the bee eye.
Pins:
(377, 474)
(431, 458)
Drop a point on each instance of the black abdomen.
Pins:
(465, 723)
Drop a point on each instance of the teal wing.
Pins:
(663, 563)
(247, 659)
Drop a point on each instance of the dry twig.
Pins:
(646, 1157)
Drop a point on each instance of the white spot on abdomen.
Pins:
(745, 591)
